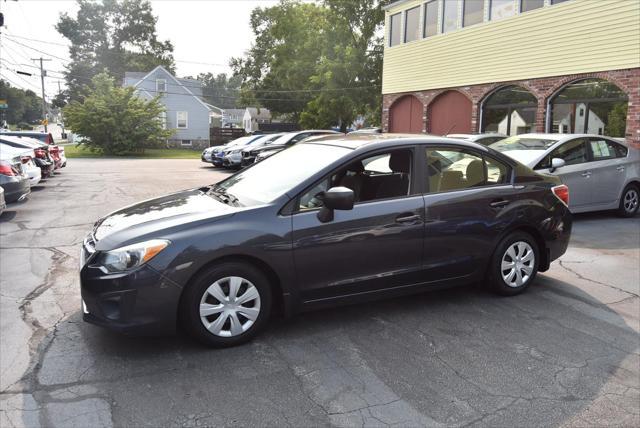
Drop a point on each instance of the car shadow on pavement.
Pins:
(551, 356)
(605, 230)
(7, 215)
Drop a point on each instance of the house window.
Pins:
(450, 15)
(473, 12)
(412, 24)
(527, 5)
(431, 18)
(161, 85)
(394, 31)
(501, 9)
(186, 143)
(163, 119)
(182, 119)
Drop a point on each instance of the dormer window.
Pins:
(161, 85)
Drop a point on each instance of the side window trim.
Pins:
(413, 185)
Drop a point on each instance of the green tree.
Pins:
(115, 120)
(114, 35)
(24, 105)
(617, 120)
(331, 53)
(220, 90)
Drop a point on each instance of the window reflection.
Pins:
(431, 18)
(591, 106)
(510, 110)
(501, 9)
(473, 12)
(450, 15)
(412, 25)
(394, 31)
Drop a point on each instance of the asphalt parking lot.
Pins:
(567, 352)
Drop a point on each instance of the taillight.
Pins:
(7, 169)
(562, 193)
(40, 153)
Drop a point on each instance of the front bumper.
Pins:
(248, 160)
(232, 160)
(141, 302)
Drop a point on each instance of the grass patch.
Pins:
(73, 151)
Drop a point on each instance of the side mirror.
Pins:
(336, 198)
(556, 163)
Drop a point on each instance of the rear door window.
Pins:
(602, 149)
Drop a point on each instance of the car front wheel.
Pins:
(630, 201)
(227, 305)
(514, 264)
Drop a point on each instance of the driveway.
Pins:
(564, 353)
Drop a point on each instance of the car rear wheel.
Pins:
(226, 305)
(630, 201)
(514, 264)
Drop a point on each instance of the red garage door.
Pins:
(450, 113)
(405, 115)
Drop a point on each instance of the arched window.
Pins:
(510, 110)
(590, 106)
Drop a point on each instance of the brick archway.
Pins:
(405, 115)
(450, 112)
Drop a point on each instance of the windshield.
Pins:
(276, 175)
(282, 139)
(522, 143)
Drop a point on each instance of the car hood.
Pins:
(269, 148)
(163, 213)
(527, 157)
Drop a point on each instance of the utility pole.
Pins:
(44, 103)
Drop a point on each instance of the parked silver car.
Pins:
(602, 173)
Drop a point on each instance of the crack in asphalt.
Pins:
(593, 281)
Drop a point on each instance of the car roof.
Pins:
(359, 141)
(560, 137)
(475, 136)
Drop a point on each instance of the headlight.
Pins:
(236, 151)
(131, 256)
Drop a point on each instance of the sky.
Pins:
(205, 34)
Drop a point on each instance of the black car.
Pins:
(336, 220)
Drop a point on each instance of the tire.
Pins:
(514, 249)
(629, 201)
(228, 323)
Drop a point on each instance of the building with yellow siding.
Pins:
(512, 66)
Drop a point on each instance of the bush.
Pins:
(24, 126)
(114, 120)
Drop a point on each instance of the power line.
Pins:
(37, 40)
(34, 49)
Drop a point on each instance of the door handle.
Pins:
(408, 218)
(586, 174)
(499, 203)
(620, 168)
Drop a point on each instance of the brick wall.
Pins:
(543, 89)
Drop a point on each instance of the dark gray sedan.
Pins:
(13, 180)
(325, 222)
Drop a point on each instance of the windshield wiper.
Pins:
(223, 196)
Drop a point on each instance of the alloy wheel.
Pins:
(631, 200)
(518, 263)
(229, 306)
